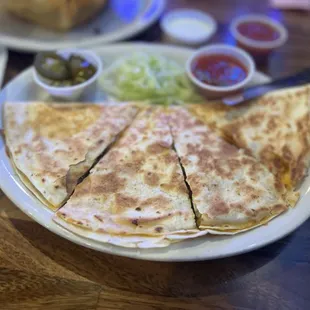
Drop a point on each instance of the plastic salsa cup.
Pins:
(258, 34)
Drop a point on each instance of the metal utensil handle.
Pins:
(298, 79)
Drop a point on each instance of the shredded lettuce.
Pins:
(146, 77)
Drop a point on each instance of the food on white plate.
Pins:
(274, 128)
(52, 145)
(136, 195)
(159, 175)
(57, 15)
(59, 71)
(148, 77)
(231, 191)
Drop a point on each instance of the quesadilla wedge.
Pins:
(274, 128)
(231, 191)
(52, 145)
(136, 195)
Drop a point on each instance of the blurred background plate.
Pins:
(3, 62)
(120, 20)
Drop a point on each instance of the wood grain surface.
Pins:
(39, 270)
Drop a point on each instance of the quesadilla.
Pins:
(136, 195)
(231, 191)
(53, 145)
(274, 128)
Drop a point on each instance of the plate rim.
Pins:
(109, 249)
(138, 26)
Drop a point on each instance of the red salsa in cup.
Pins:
(219, 70)
(258, 31)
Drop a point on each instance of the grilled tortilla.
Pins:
(136, 195)
(275, 129)
(231, 191)
(53, 145)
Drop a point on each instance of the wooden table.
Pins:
(40, 270)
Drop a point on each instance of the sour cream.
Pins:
(188, 26)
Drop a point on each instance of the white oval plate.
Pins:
(120, 20)
(23, 88)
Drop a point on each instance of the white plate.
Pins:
(120, 20)
(22, 88)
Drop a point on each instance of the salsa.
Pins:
(258, 31)
(219, 70)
